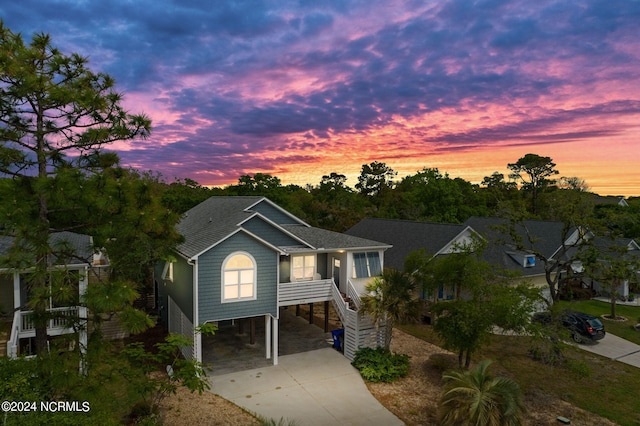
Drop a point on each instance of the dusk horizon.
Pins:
(301, 89)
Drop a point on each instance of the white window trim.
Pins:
(304, 267)
(255, 279)
(354, 275)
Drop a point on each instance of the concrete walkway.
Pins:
(318, 387)
(615, 348)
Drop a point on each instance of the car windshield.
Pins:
(595, 323)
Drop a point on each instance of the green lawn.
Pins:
(596, 384)
(621, 329)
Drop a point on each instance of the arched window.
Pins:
(238, 277)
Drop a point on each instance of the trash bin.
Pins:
(338, 338)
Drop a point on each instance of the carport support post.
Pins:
(275, 341)
(326, 316)
(267, 335)
(310, 313)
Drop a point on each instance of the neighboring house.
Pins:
(544, 237)
(436, 239)
(626, 248)
(439, 239)
(246, 257)
(611, 200)
(14, 294)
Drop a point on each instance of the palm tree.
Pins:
(391, 297)
(474, 397)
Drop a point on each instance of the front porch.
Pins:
(63, 320)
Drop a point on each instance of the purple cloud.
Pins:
(232, 85)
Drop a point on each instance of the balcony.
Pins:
(301, 292)
(62, 322)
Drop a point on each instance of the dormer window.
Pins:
(529, 261)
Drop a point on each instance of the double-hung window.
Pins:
(238, 278)
(366, 264)
(303, 267)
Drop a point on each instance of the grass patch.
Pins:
(597, 308)
(593, 383)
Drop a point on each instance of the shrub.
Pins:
(381, 365)
(579, 368)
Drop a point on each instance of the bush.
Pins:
(380, 365)
(579, 368)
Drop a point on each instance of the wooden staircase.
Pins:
(359, 329)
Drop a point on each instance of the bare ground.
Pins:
(413, 398)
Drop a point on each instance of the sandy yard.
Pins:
(413, 398)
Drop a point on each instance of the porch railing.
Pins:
(12, 344)
(339, 303)
(353, 294)
(61, 318)
(300, 292)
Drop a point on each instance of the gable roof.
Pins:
(406, 236)
(502, 251)
(546, 235)
(219, 217)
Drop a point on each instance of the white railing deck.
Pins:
(301, 292)
(62, 320)
(360, 330)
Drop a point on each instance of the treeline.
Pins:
(529, 192)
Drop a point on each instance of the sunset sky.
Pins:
(300, 89)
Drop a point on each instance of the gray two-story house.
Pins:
(246, 257)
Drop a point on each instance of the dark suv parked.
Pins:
(583, 327)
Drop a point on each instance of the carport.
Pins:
(230, 349)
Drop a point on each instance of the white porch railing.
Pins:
(353, 294)
(359, 329)
(12, 344)
(301, 292)
(339, 303)
(62, 320)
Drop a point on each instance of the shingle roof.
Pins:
(322, 238)
(80, 243)
(220, 216)
(406, 236)
(211, 221)
(501, 250)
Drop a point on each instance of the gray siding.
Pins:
(269, 233)
(210, 281)
(274, 214)
(321, 264)
(180, 290)
(285, 269)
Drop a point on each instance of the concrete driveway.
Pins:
(615, 348)
(318, 387)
